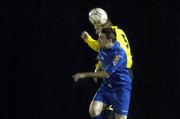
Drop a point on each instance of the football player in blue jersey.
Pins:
(116, 87)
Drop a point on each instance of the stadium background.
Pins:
(41, 49)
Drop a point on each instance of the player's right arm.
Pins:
(90, 41)
(100, 74)
(94, 45)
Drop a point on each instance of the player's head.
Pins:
(98, 28)
(107, 37)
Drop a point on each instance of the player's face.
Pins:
(102, 40)
(98, 28)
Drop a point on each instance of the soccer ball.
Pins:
(98, 16)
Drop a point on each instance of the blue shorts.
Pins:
(118, 98)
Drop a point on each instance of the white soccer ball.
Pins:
(98, 16)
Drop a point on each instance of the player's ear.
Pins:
(109, 40)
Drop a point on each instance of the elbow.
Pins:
(107, 75)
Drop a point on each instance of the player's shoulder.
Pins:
(117, 29)
(118, 49)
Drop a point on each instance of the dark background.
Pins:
(41, 49)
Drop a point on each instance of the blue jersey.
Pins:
(116, 89)
(114, 62)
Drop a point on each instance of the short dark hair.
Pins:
(110, 33)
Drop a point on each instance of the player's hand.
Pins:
(78, 76)
(84, 35)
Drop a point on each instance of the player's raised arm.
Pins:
(90, 41)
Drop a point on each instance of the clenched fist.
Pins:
(78, 76)
(84, 35)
